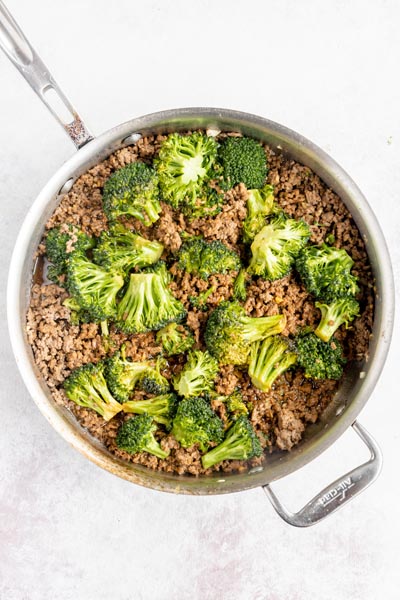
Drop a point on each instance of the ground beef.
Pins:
(280, 416)
(289, 430)
(185, 286)
(227, 381)
(287, 296)
(227, 225)
(168, 229)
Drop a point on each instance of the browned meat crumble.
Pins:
(280, 416)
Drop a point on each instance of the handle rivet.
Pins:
(66, 187)
(133, 138)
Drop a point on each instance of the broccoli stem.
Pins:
(268, 360)
(153, 447)
(239, 286)
(151, 211)
(105, 333)
(100, 399)
(333, 315)
(231, 449)
(258, 328)
(156, 408)
(104, 328)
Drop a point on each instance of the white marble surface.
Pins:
(69, 531)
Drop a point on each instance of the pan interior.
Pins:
(359, 380)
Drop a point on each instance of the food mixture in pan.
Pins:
(196, 301)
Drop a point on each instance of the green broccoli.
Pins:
(196, 423)
(105, 332)
(184, 165)
(119, 249)
(260, 204)
(153, 382)
(333, 315)
(276, 246)
(205, 258)
(93, 288)
(190, 254)
(268, 360)
(132, 192)
(235, 404)
(200, 301)
(320, 360)
(208, 204)
(240, 443)
(197, 376)
(124, 376)
(77, 314)
(230, 332)
(325, 272)
(137, 435)
(239, 286)
(330, 239)
(148, 303)
(108, 342)
(175, 339)
(161, 408)
(60, 242)
(86, 386)
(243, 161)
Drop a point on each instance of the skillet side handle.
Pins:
(15, 45)
(337, 494)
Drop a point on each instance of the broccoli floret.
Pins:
(60, 242)
(243, 161)
(276, 246)
(320, 360)
(333, 315)
(260, 204)
(148, 303)
(208, 204)
(161, 408)
(235, 405)
(240, 443)
(196, 423)
(175, 339)
(230, 332)
(124, 376)
(184, 165)
(325, 271)
(93, 288)
(132, 191)
(197, 376)
(77, 314)
(205, 258)
(239, 286)
(86, 386)
(200, 301)
(268, 360)
(153, 382)
(119, 249)
(190, 254)
(330, 239)
(137, 435)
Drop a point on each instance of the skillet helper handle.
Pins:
(337, 494)
(23, 56)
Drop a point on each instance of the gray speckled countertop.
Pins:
(69, 531)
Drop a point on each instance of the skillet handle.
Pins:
(337, 494)
(23, 56)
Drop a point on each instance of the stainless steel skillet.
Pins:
(359, 382)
